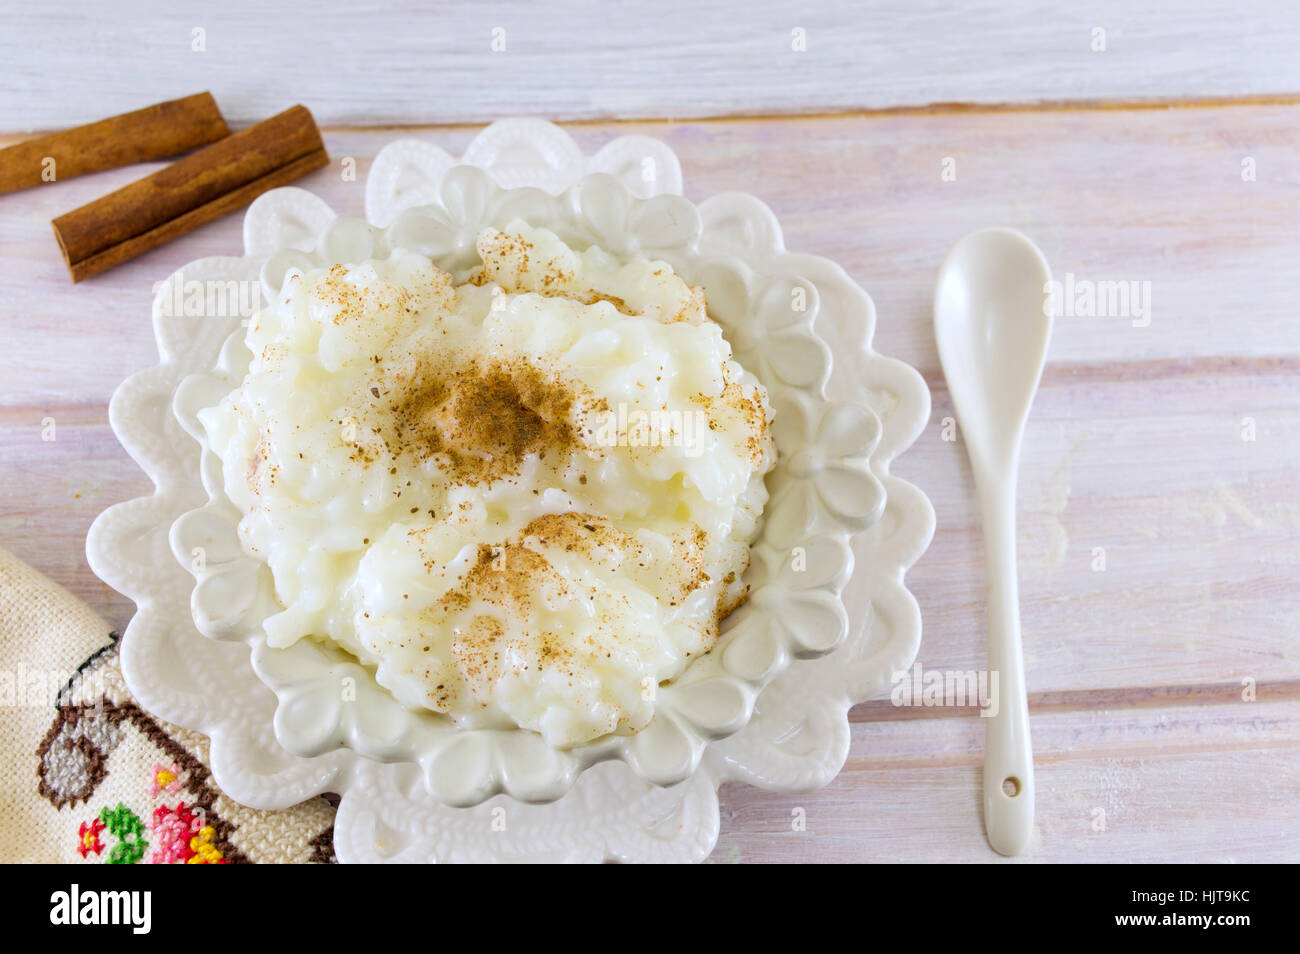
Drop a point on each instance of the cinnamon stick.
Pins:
(155, 132)
(194, 190)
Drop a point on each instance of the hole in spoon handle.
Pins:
(1008, 754)
(1008, 801)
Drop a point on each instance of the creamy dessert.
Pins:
(524, 495)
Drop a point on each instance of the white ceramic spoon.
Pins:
(992, 329)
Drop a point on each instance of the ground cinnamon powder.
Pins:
(484, 419)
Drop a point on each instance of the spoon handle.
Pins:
(1008, 756)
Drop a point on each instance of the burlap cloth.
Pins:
(87, 776)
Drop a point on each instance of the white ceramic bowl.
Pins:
(788, 664)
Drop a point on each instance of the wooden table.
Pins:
(1160, 503)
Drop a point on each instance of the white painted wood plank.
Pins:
(409, 62)
(1216, 783)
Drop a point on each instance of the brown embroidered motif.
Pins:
(323, 848)
(72, 756)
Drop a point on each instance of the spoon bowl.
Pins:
(992, 327)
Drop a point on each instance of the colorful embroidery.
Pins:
(173, 829)
(205, 853)
(127, 827)
(181, 837)
(165, 779)
(73, 760)
(89, 837)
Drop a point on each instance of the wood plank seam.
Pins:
(1071, 700)
(931, 109)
